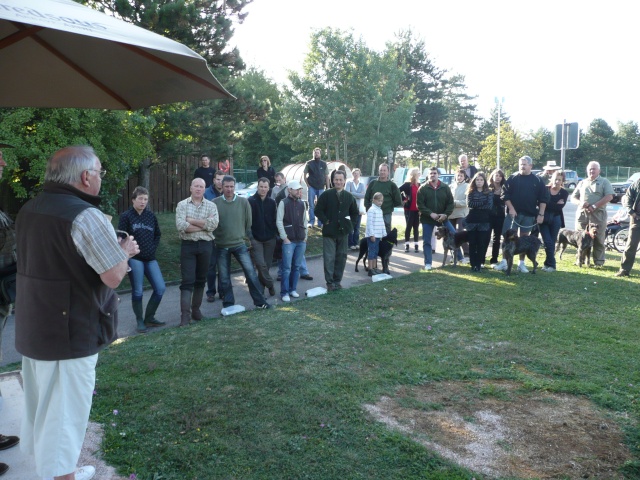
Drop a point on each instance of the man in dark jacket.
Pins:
(263, 233)
(390, 192)
(631, 202)
(337, 210)
(69, 262)
(316, 176)
(435, 202)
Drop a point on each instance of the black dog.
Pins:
(514, 245)
(384, 252)
(581, 239)
(451, 242)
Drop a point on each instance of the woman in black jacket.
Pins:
(480, 202)
(267, 171)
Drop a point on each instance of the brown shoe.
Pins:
(622, 273)
(272, 291)
(8, 441)
(330, 287)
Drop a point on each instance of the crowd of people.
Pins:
(72, 310)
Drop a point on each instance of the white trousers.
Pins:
(58, 396)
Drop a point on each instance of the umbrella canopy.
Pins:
(58, 53)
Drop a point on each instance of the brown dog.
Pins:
(514, 245)
(451, 242)
(581, 239)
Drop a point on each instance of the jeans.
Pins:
(387, 221)
(412, 220)
(334, 254)
(303, 268)
(213, 273)
(262, 255)
(292, 255)
(151, 270)
(194, 263)
(496, 229)
(427, 232)
(241, 254)
(354, 237)
(312, 194)
(549, 234)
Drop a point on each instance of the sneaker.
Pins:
(427, 266)
(622, 273)
(8, 441)
(306, 277)
(354, 247)
(286, 298)
(374, 271)
(500, 266)
(406, 247)
(295, 294)
(85, 473)
(416, 249)
(522, 268)
(482, 265)
(264, 306)
(464, 261)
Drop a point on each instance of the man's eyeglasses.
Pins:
(102, 171)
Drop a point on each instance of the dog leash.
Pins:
(513, 221)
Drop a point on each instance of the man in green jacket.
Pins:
(631, 202)
(435, 203)
(390, 192)
(337, 210)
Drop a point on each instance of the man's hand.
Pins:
(512, 212)
(130, 246)
(286, 241)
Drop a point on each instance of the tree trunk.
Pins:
(144, 174)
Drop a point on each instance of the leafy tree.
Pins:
(205, 26)
(599, 143)
(512, 147)
(349, 98)
(628, 144)
(119, 139)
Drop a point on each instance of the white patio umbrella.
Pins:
(58, 53)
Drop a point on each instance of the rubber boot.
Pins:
(137, 310)
(149, 314)
(185, 307)
(196, 301)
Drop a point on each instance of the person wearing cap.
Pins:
(547, 171)
(337, 210)
(291, 221)
(7, 271)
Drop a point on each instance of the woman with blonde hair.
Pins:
(409, 195)
(460, 210)
(267, 171)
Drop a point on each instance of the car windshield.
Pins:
(634, 177)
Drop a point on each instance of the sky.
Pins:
(551, 60)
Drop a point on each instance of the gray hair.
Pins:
(67, 164)
(527, 159)
(593, 162)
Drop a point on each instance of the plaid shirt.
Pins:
(96, 240)
(205, 211)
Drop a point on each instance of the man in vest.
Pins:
(291, 221)
(69, 262)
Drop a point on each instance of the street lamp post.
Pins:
(499, 102)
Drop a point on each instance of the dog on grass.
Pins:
(384, 251)
(515, 245)
(451, 242)
(581, 239)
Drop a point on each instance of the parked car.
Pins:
(444, 178)
(248, 191)
(620, 188)
(571, 179)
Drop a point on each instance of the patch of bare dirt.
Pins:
(499, 430)
(90, 454)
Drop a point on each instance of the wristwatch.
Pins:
(594, 207)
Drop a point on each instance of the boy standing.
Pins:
(374, 232)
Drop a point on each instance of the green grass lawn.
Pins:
(279, 394)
